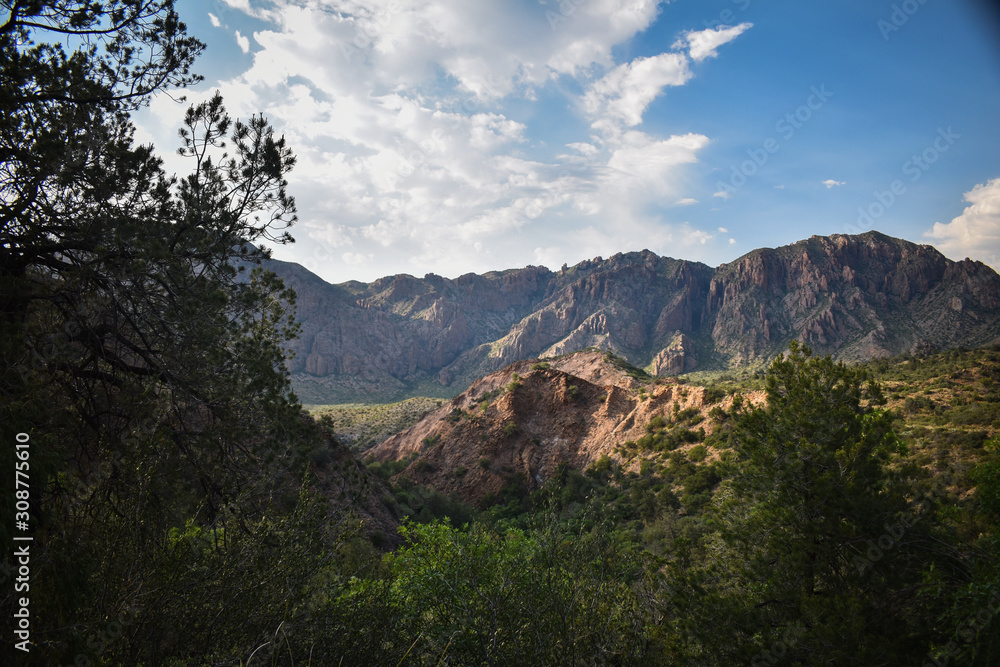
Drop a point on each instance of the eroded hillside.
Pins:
(522, 423)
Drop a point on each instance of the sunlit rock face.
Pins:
(854, 297)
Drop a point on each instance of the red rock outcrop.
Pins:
(527, 419)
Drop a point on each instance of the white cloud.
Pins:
(695, 236)
(830, 183)
(356, 259)
(243, 41)
(647, 164)
(411, 123)
(702, 44)
(732, 241)
(243, 5)
(624, 93)
(215, 20)
(976, 232)
(723, 230)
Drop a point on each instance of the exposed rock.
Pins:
(854, 297)
(571, 410)
(678, 357)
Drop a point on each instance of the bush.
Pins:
(714, 394)
(697, 453)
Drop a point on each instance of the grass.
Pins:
(361, 426)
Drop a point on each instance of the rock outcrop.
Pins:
(524, 421)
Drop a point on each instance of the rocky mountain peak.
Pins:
(855, 297)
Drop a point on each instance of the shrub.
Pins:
(714, 394)
(656, 423)
(698, 453)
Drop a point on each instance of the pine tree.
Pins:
(140, 348)
(811, 563)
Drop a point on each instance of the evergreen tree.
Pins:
(140, 350)
(810, 563)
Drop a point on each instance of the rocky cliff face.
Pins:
(854, 297)
(522, 422)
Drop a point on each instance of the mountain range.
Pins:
(855, 297)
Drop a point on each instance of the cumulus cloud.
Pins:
(976, 232)
(830, 183)
(215, 20)
(702, 44)
(414, 147)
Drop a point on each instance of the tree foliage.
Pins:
(174, 517)
(141, 348)
(815, 543)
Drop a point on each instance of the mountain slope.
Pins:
(520, 424)
(855, 297)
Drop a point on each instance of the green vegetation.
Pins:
(141, 354)
(624, 366)
(813, 524)
(185, 511)
(361, 426)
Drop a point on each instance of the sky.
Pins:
(457, 136)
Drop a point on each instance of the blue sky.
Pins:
(449, 136)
